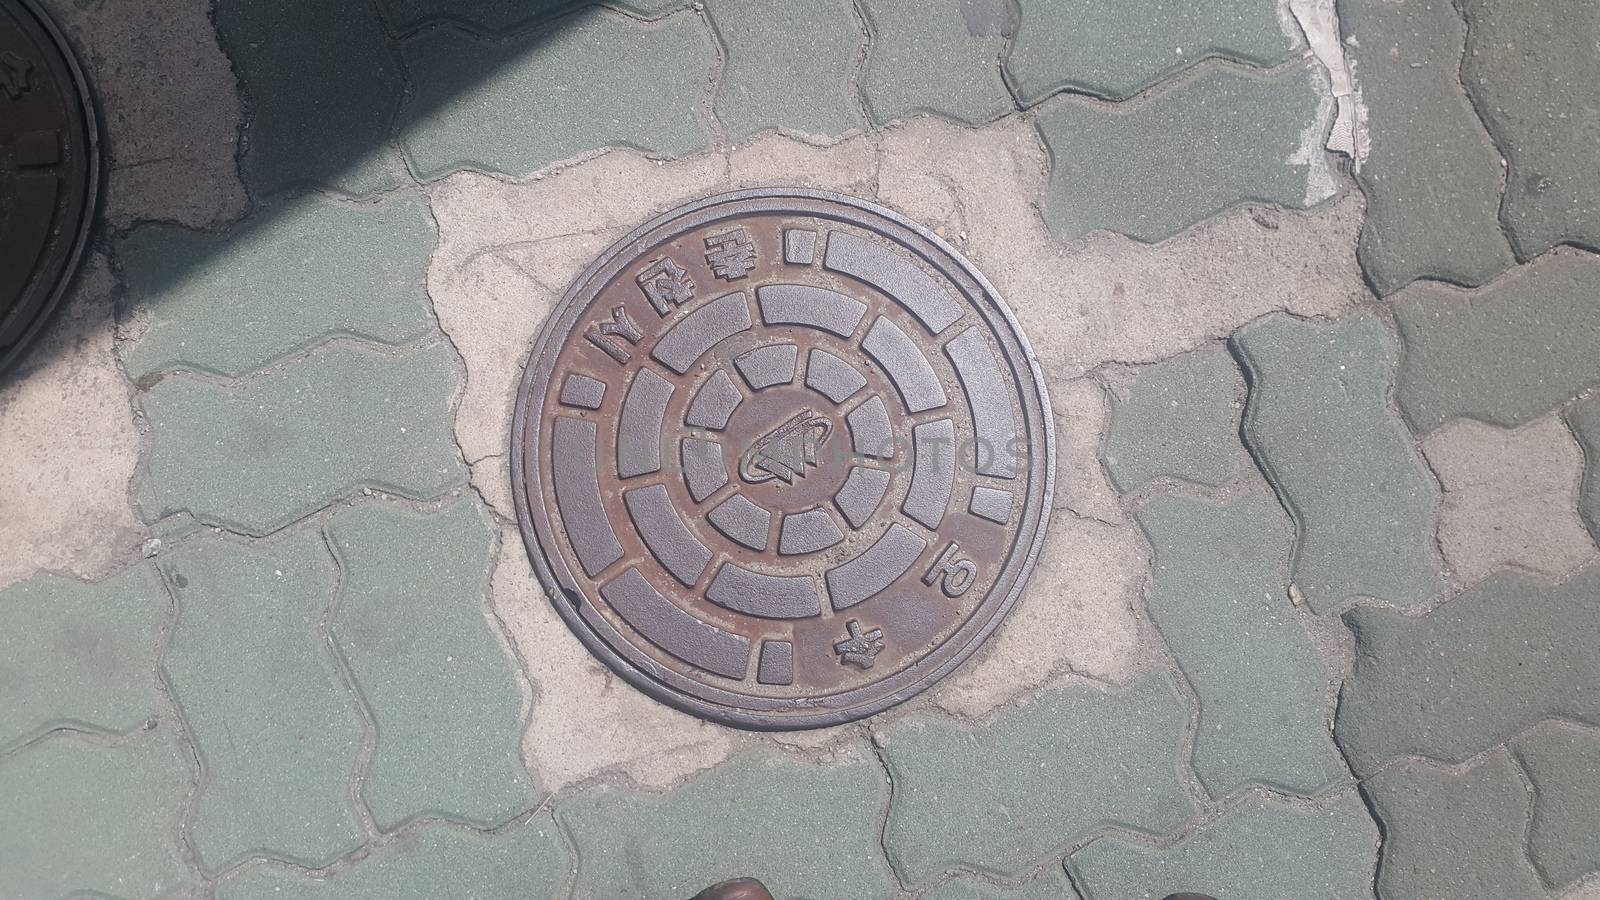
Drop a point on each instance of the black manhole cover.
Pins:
(783, 457)
(48, 168)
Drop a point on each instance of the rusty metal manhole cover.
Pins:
(783, 458)
(48, 170)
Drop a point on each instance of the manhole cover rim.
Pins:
(657, 680)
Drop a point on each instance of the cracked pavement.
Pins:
(1315, 289)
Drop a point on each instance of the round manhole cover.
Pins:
(48, 169)
(782, 458)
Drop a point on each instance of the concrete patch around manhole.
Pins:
(782, 458)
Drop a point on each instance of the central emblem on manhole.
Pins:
(782, 458)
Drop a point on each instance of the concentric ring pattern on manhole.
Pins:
(782, 458)
(48, 171)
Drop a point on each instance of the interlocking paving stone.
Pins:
(1431, 161)
(1070, 761)
(526, 861)
(80, 817)
(1530, 69)
(76, 655)
(276, 731)
(497, 16)
(519, 104)
(230, 304)
(412, 624)
(1505, 353)
(1585, 421)
(1473, 673)
(934, 56)
(259, 454)
(804, 829)
(1561, 761)
(1050, 884)
(788, 65)
(1238, 137)
(322, 85)
(1178, 419)
(1116, 49)
(1258, 850)
(1219, 598)
(1364, 502)
(1453, 836)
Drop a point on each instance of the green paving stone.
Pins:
(498, 16)
(519, 104)
(257, 455)
(1000, 797)
(275, 728)
(1562, 762)
(933, 57)
(412, 624)
(803, 829)
(1178, 419)
(1432, 176)
(788, 66)
(1585, 421)
(1453, 836)
(1363, 500)
(1220, 139)
(1473, 673)
(322, 86)
(1219, 598)
(81, 818)
(525, 862)
(1506, 353)
(76, 655)
(1052, 884)
(1259, 850)
(1531, 70)
(1116, 49)
(230, 304)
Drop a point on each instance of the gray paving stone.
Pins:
(997, 798)
(939, 57)
(322, 85)
(788, 65)
(275, 728)
(1562, 761)
(1178, 419)
(1219, 598)
(1585, 422)
(86, 818)
(230, 304)
(518, 104)
(80, 656)
(1364, 502)
(259, 454)
(1530, 69)
(1258, 850)
(526, 862)
(1505, 353)
(1453, 836)
(1473, 673)
(806, 830)
(1239, 137)
(499, 16)
(1051, 884)
(1431, 176)
(412, 624)
(1116, 49)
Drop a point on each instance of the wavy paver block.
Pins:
(1363, 500)
(1561, 761)
(1431, 161)
(789, 65)
(1219, 598)
(1473, 673)
(276, 730)
(1505, 353)
(1178, 419)
(411, 622)
(1258, 850)
(929, 56)
(1116, 49)
(811, 829)
(1241, 137)
(1070, 762)
(259, 454)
